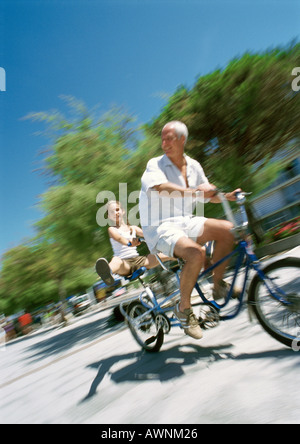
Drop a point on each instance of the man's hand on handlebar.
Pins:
(211, 192)
(233, 195)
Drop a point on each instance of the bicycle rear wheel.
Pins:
(276, 300)
(144, 327)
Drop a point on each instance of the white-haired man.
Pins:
(170, 185)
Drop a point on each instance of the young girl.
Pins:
(124, 240)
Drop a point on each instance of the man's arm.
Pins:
(207, 189)
(170, 187)
(211, 193)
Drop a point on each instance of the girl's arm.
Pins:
(117, 236)
(138, 231)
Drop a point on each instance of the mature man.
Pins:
(170, 185)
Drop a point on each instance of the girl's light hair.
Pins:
(179, 127)
(113, 202)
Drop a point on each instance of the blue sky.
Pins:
(105, 52)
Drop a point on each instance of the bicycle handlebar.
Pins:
(240, 200)
(227, 208)
(140, 239)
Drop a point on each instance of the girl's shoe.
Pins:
(104, 271)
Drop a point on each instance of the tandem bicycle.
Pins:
(272, 293)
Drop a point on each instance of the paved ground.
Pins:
(94, 372)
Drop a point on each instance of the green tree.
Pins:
(24, 280)
(34, 274)
(88, 156)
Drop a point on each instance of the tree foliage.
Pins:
(87, 156)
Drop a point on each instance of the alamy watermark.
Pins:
(296, 81)
(2, 79)
(154, 207)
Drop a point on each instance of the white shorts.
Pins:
(170, 232)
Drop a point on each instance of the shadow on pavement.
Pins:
(163, 366)
(171, 363)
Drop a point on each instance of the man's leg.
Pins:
(219, 231)
(193, 255)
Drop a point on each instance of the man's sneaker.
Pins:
(188, 322)
(104, 271)
(223, 290)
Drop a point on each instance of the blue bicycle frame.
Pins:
(244, 254)
(242, 251)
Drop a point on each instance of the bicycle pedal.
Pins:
(210, 317)
(201, 322)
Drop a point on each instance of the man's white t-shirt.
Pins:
(156, 208)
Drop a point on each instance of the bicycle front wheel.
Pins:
(144, 327)
(276, 300)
